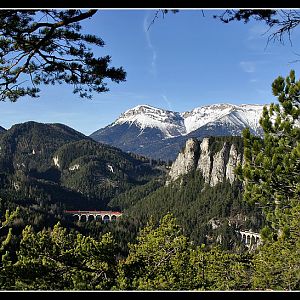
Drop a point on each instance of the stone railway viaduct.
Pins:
(97, 215)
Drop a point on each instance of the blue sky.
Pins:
(183, 61)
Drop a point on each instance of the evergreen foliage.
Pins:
(50, 52)
(57, 260)
(161, 258)
(196, 206)
(130, 197)
(272, 165)
(271, 176)
(277, 265)
(164, 259)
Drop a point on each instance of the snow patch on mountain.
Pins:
(244, 115)
(144, 116)
(203, 115)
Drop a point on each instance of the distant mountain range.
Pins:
(161, 134)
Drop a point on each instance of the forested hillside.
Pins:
(47, 168)
(208, 215)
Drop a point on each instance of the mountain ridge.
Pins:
(185, 122)
(160, 134)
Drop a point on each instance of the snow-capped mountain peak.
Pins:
(203, 115)
(169, 122)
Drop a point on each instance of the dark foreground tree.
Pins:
(47, 47)
(277, 264)
(271, 172)
(5, 241)
(281, 22)
(58, 260)
(271, 176)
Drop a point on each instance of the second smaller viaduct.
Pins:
(249, 238)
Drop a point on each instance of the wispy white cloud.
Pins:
(248, 66)
(149, 43)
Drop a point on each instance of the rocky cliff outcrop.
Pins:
(204, 162)
(218, 171)
(234, 159)
(216, 158)
(186, 160)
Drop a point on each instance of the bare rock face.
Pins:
(186, 160)
(234, 159)
(219, 166)
(204, 162)
(215, 167)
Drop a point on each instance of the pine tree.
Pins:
(58, 260)
(160, 260)
(271, 176)
(277, 265)
(6, 261)
(164, 259)
(271, 172)
(47, 47)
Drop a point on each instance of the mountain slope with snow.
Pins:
(244, 115)
(145, 116)
(160, 133)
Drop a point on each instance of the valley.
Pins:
(52, 165)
